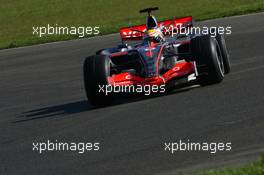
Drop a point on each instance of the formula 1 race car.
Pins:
(158, 58)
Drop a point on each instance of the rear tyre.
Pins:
(207, 54)
(222, 44)
(96, 70)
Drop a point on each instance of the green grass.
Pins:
(17, 17)
(255, 168)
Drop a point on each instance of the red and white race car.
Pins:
(156, 59)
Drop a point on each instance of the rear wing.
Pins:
(137, 32)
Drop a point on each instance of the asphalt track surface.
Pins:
(42, 97)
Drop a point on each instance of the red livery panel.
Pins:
(179, 70)
(137, 32)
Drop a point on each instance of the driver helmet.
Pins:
(155, 34)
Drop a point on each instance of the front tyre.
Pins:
(222, 44)
(209, 61)
(96, 70)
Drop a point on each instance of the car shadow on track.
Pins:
(84, 106)
(56, 111)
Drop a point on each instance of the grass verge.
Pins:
(255, 168)
(19, 16)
